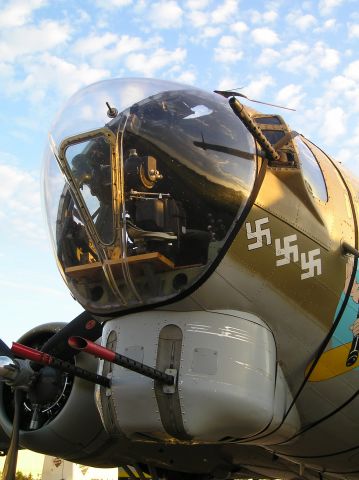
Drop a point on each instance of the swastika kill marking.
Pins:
(286, 248)
(311, 262)
(259, 233)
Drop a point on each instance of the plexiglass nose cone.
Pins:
(140, 205)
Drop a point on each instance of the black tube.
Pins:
(354, 352)
(80, 372)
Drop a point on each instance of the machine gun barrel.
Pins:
(80, 343)
(45, 359)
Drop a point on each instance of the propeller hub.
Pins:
(47, 386)
(16, 373)
(8, 368)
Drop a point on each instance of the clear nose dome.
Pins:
(140, 203)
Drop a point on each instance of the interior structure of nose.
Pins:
(150, 199)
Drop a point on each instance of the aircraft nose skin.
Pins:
(225, 364)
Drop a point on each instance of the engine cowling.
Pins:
(67, 422)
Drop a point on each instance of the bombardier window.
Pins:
(312, 173)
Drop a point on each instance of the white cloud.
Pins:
(32, 39)
(267, 57)
(290, 96)
(197, 4)
(341, 84)
(328, 57)
(16, 183)
(334, 124)
(18, 12)
(330, 23)
(149, 64)
(295, 47)
(299, 58)
(210, 32)
(327, 6)
(307, 5)
(187, 77)
(209, 23)
(224, 12)
(6, 70)
(344, 155)
(350, 95)
(228, 50)
(197, 18)
(20, 202)
(82, 16)
(94, 43)
(7, 158)
(228, 41)
(300, 21)
(165, 14)
(295, 58)
(265, 36)
(327, 25)
(256, 88)
(227, 83)
(332, 114)
(270, 16)
(109, 48)
(32, 229)
(353, 30)
(239, 27)
(355, 137)
(257, 17)
(49, 72)
(112, 4)
(352, 71)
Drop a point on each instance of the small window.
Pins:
(273, 135)
(312, 173)
(269, 120)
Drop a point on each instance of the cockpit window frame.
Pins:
(319, 170)
(73, 184)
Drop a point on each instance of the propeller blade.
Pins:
(5, 351)
(9, 471)
(84, 325)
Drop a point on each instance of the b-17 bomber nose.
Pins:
(141, 204)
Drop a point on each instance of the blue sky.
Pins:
(301, 54)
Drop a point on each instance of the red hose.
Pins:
(79, 343)
(31, 354)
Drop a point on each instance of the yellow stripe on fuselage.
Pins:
(331, 364)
